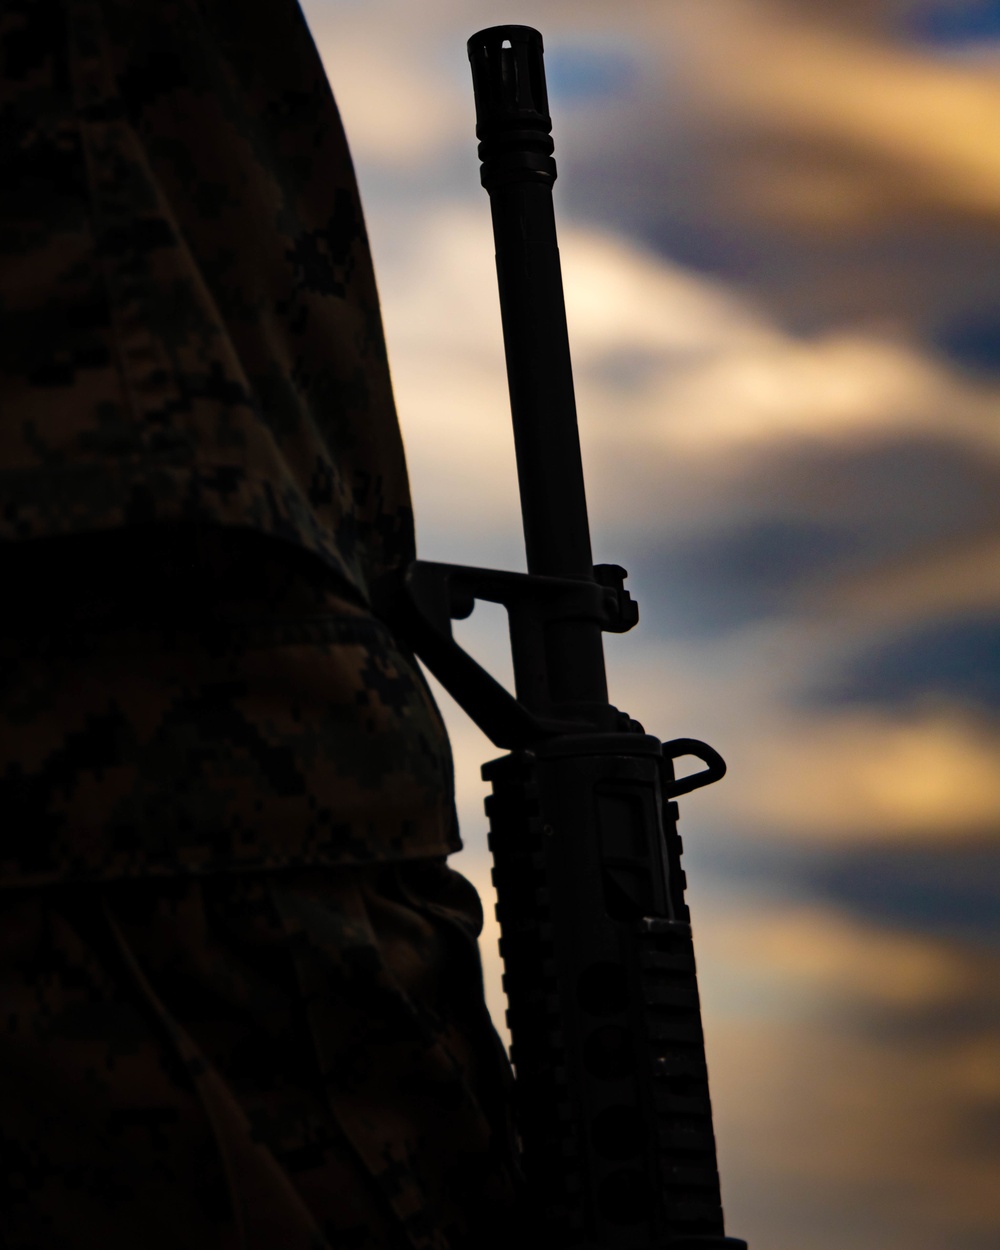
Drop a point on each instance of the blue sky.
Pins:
(960, 22)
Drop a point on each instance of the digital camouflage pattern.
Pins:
(195, 409)
(241, 992)
(191, 329)
(274, 1061)
(248, 718)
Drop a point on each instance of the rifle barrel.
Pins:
(611, 1094)
(513, 126)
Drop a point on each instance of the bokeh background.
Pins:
(780, 231)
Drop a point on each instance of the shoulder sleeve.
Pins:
(189, 323)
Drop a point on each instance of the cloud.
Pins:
(807, 960)
(931, 585)
(850, 1140)
(815, 156)
(881, 535)
(847, 1060)
(802, 494)
(853, 1072)
(779, 239)
(945, 892)
(664, 357)
(811, 775)
(924, 123)
(954, 25)
(904, 130)
(955, 659)
(713, 423)
(394, 109)
(972, 340)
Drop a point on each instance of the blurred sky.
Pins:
(780, 232)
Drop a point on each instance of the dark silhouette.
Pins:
(612, 1099)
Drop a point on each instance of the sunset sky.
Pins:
(780, 236)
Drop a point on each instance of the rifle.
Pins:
(611, 1088)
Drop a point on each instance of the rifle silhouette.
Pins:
(611, 1092)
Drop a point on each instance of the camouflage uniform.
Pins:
(240, 989)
